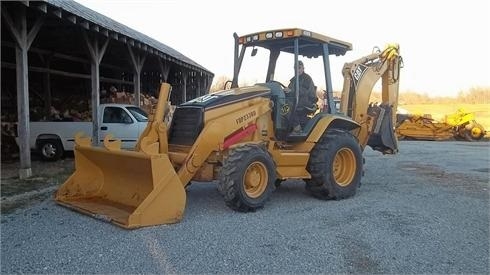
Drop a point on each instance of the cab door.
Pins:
(117, 121)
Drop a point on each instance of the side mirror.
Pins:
(254, 52)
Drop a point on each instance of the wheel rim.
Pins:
(255, 179)
(49, 150)
(475, 132)
(344, 167)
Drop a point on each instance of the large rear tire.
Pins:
(247, 178)
(335, 166)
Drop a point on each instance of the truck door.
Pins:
(118, 122)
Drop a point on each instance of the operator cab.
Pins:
(280, 52)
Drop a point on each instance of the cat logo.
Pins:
(285, 109)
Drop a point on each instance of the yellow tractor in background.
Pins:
(460, 125)
(242, 139)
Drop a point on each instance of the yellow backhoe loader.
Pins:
(460, 125)
(241, 137)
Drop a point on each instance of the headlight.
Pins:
(268, 35)
(278, 34)
(307, 33)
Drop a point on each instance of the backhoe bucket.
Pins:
(130, 189)
(383, 136)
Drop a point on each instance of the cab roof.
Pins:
(310, 43)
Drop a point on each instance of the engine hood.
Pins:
(226, 97)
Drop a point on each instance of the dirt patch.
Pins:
(471, 185)
(47, 176)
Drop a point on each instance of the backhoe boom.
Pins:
(376, 121)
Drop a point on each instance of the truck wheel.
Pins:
(50, 149)
(335, 166)
(247, 178)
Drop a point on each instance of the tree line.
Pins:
(475, 95)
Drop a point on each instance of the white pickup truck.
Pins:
(52, 138)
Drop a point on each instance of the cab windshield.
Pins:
(138, 113)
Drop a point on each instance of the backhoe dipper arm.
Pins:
(360, 76)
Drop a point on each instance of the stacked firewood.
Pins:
(81, 111)
(147, 102)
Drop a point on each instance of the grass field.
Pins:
(438, 111)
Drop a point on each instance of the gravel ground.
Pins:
(425, 210)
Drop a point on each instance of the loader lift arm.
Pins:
(376, 121)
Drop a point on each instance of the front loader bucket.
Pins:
(130, 189)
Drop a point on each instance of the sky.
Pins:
(445, 45)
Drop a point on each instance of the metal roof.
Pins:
(282, 39)
(92, 20)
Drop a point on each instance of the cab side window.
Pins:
(116, 115)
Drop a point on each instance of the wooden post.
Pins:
(47, 82)
(138, 61)
(164, 69)
(23, 41)
(209, 82)
(198, 83)
(205, 83)
(184, 75)
(96, 55)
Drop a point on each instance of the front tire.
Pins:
(50, 149)
(247, 178)
(335, 166)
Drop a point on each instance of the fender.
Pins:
(47, 136)
(331, 121)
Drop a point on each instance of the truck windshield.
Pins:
(139, 114)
